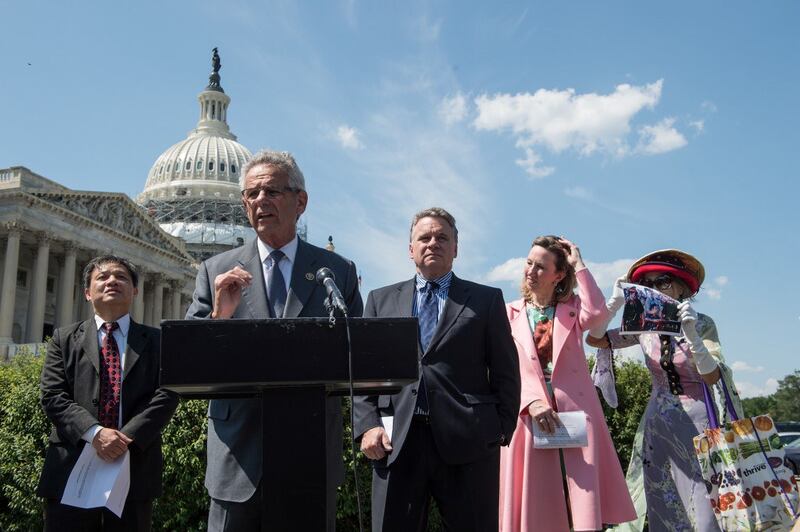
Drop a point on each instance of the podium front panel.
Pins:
(214, 358)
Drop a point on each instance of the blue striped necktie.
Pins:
(428, 317)
(276, 286)
(428, 314)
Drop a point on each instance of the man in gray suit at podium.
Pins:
(271, 278)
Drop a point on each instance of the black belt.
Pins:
(420, 419)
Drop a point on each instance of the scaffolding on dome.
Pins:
(196, 209)
(207, 225)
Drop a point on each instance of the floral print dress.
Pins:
(664, 471)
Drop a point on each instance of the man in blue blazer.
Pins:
(271, 278)
(448, 427)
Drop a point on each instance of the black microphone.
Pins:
(326, 278)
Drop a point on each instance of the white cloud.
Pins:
(579, 193)
(348, 137)
(698, 125)
(748, 389)
(660, 138)
(559, 120)
(713, 293)
(428, 30)
(589, 196)
(605, 273)
(709, 106)
(349, 10)
(532, 164)
(413, 161)
(745, 367)
(716, 292)
(510, 271)
(453, 109)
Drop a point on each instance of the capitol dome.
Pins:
(192, 189)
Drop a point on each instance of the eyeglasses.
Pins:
(252, 194)
(662, 282)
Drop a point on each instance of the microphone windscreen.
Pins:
(324, 273)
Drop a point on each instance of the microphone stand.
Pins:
(331, 308)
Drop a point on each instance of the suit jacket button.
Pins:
(414, 392)
(95, 402)
(571, 314)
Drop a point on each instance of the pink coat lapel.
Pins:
(533, 385)
(521, 329)
(566, 314)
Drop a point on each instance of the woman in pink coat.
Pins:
(581, 488)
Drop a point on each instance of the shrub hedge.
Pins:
(184, 505)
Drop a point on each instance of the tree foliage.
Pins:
(24, 431)
(787, 398)
(633, 393)
(23, 439)
(754, 406)
(184, 505)
(783, 405)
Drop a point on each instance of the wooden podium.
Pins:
(292, 365)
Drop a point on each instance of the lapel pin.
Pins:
(309, 276)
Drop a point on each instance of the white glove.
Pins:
(702, 358)
(614, 303)
(617, 299)
(688, 317)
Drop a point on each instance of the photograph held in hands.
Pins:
(648, 310)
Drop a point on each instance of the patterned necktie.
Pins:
(276, 286)
(110, 379)
(428, 317)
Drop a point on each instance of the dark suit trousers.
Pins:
(137, 516)
(466, 494)
(226, 516)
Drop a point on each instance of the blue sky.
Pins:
(625, 126)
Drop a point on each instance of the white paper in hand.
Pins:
(94, 483)
(570, 433)
(388, 425)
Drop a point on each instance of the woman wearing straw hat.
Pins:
(663, 459)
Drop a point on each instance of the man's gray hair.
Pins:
(280, 159)
(434, 212)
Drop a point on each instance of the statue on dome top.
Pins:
(213, 79)
(215, 60)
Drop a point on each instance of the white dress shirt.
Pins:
(285, 265)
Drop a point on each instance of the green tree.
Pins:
(754, 406)
(633, 393)
(184, 503)
(787, 398)
(23, 439)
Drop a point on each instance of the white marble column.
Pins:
(158, 299)
(66, 287)
(147, 317)
(9, 288)
(175, 287)
(33, 332)
(137, 309)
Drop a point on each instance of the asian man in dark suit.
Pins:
(100, 387)
(271, 278)
(448, 427)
